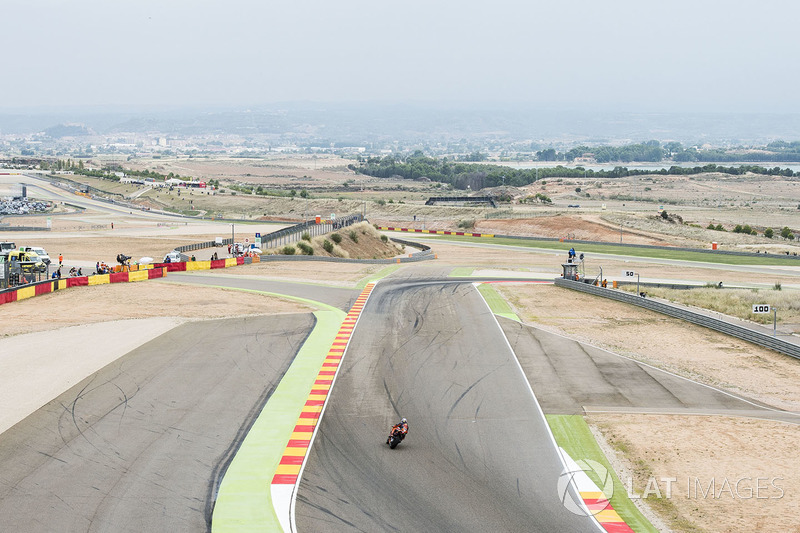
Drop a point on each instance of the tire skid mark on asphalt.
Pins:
(289, 471)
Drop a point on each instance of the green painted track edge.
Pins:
(496, 302)
(611, 249)
(572, 433)
(382, 273)
(244, 502)
(461, 272)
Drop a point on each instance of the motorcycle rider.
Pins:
(402, 426)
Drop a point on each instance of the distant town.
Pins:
(571, 137)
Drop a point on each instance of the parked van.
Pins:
(40, 252)
(7, 246)
(173, 257)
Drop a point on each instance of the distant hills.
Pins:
(354, 123)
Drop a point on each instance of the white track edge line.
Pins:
(538, 407)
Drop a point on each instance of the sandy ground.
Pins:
(144, 299)
(587, 228)
(337, 274)
(450, 254)
(688, 447)
(757, 459)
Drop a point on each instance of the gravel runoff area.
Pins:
(729, 474)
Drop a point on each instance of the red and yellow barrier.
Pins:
(29, 291)
(26, 292)
(436, 232)
(135, 273)
(139, 275)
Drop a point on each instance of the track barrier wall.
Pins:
(157, 270)
(286, 235)
(44, 287)
(438, 232)
(734, 330)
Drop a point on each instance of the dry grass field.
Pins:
(607, 205)
(737, 302)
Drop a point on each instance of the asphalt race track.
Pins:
(478, 457)
(572, 378)
(140, 445)
(337, 297)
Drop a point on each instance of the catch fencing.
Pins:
(292, 234)
(201, 245)
(14, 273)
(734, 330)
(285, 236)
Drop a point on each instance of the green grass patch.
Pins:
(461, 272)
(572, 433)
(613, 249)
(382, 273)
(496, 302)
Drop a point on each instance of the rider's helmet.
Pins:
(403, 421)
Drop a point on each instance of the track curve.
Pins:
(479, 456)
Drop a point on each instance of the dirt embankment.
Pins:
(359, 241)
(585, 228)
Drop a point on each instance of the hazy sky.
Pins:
(623, 55)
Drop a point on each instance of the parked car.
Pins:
(40, 252)
(7, 246)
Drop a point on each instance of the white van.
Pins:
(173, 257)
(43, 257)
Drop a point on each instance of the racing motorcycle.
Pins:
(395, 438)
